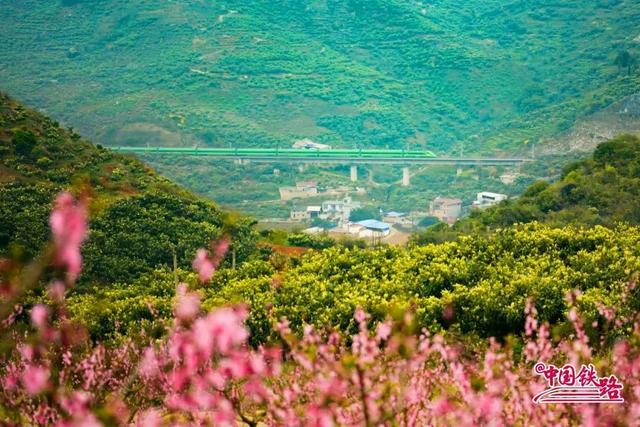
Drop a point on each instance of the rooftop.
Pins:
(490, 194)
(446, 201)
(374, 224)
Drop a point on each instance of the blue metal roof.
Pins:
(395, 214)
(374, 224)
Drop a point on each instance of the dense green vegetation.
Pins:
(139, 219)
(376, 73)
(477, 285)
(454, 77)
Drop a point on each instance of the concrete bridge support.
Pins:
(406, 177)
(354, 173)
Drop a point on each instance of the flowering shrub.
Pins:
(203, 372)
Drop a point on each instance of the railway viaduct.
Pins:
(403, 158)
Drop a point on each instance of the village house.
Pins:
(305, 214)
(446, 209)
(339, 210)
(299, 214)
(487, 198)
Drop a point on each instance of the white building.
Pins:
(374, 229)
(339, 210)
(486, 199)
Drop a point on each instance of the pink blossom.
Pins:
(57, 290)
(226, 326)
(68, 223)
(383, 331)
(221, 249)
(188, 304)
(149, 418)
(203, 265)
(148, 364)
(34, 379)
(360, 315)
(39, 314)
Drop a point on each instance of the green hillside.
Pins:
(456, 77)
(602, 189)
(138, 218)
(372, 73)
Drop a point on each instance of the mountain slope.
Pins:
(138, 219)
(603, 189)
(372, 73)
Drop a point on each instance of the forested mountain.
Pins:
(138, 218)
(354, 73)
(458, 78)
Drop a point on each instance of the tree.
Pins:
(242, 235)
(428, 221)
(24, 142)
(364, 213)
(625, 60)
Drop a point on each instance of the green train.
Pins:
(280, 152)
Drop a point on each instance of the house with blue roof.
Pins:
(373, 227)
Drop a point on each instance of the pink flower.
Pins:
(39, 315)
(223, 328)
(34, 379)
(203, 265)
(206, 265)
(149, 418)
(188, 303)
(68, 223)
(360, 315)
(221, 249)
(57, 290)
(383, 331)
(148, 364)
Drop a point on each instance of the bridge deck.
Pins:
(323, 156)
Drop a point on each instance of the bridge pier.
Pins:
(354, 173)
(406, 176)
